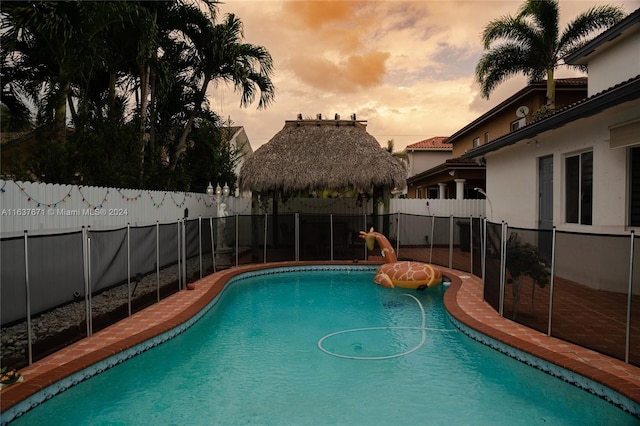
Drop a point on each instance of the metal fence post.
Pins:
(266, 227)
(366, 253)
(184, 254)
(158, 260)
(89, 289)
(629, 297)
(85, 274)
(237, 239)
(129, 268)
(451, 241)
(552, 280)
(483, 252)
(398, 234)
(433, 224)
(213, 250)
(297, 236)
(179, 264)
(200, 243)
(331, 234)
(471, 242)
(503, 265)
(28, 297)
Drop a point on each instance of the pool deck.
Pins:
(463, 301)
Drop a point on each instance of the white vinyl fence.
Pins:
(50, 208)
(46, 208)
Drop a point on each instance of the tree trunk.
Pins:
(60, 114)
(182, 142)
(145, 70)
(551, 90)
(152, 121)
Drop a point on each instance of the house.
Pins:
(239, 141)
(578, 170)
(455, 178)
(427, 154)
(459, 177)
(515, 112)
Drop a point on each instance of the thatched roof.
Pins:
(321, 154)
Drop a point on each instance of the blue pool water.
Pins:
(324, 347)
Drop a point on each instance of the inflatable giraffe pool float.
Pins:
(394, 273)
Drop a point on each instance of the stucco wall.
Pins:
(420, 161)
(512, 187)
(512, 174)
(618, 63)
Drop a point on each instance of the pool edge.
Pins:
(607, 386)
(20, 398)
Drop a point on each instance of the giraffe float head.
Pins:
(386, 248)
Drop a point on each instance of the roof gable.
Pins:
(623, 28)
(624, 92)
(575, 83)
(436, 143)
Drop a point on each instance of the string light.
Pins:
(94, 206)
(176, 203)
(164, 195)
(38, 202)
(126, 198)
(105, 199)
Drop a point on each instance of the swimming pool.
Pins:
(324, 347)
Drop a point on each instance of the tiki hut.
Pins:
(318, 154)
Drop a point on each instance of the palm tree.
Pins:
(531, 43)
(222, 56)
(402, 156)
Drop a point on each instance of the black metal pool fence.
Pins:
(59, 288)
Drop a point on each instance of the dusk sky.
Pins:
(407, 67)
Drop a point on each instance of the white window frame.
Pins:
(576, 198)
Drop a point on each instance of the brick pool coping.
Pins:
(463, 301)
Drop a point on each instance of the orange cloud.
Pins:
(350, 75)
(315, 14)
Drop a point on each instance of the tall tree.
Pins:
(129, 77)
(223, 56)
(400, 155)
(531, 43)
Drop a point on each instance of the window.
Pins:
(433, 193)
(476, 142)
(486, 137)
(419, 192)
(634, 188)
(515, 125)
(579, 188)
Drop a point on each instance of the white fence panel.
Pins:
(336, 206)
(53, 208)
(438, 207)
(46, 208)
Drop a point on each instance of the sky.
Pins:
(406, 67)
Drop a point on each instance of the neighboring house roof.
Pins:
(625, 91)
(450, 164)
(581, 56)
(561, 83)
(437, 143)
(618, 94)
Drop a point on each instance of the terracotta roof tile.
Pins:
(437, 142)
